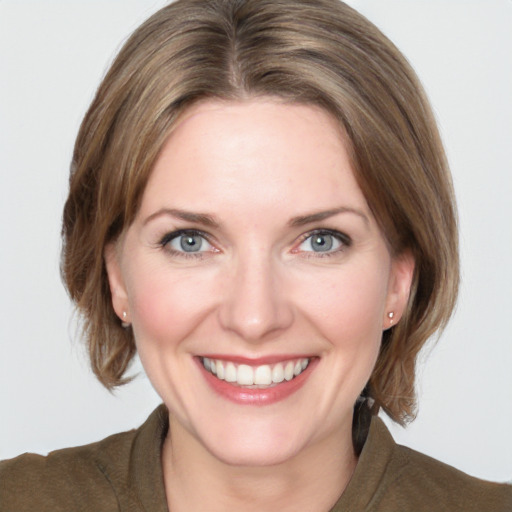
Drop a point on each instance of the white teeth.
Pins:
(263, 375)
(230, 375)
(288, 370)
(278, 373)
(245, 375)
(220, 370)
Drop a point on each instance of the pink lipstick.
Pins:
(262, 381)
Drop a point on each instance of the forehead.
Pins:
(259, 152)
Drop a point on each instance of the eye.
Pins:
(186, 242)
(324, 242)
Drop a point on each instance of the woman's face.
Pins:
(255, 256)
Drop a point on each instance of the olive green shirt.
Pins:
(123, 473)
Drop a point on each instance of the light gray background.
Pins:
(52, 56)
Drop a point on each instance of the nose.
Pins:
(255, 305)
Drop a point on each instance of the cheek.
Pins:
(348, 306)
(167, 305)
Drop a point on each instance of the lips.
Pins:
(260, 376)
(250, 382)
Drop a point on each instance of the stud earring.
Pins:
(124, 323)
(391, 315)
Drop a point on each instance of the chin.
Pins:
(254, 454)
(251, 441)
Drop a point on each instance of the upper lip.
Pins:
(257, 361)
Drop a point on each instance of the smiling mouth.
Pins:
(256, 377)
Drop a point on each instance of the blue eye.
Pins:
(324, 242)
(188, 242)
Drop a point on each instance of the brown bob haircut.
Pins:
(318, 52)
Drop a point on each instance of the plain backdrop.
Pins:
(52, 57)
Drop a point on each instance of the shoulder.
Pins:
(428, 481)
(68, 479)
(122, 472)
(394, 478)
(419, 482)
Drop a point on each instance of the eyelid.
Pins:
(171, 235)
(344, 239)
(165, 243)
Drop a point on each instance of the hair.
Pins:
(316, 52)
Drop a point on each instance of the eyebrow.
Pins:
(302, 220)
(209, 221)
(198, 218)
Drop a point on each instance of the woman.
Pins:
(260, 206)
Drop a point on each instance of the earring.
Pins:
(124, 323)
(391, 315)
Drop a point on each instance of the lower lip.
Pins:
(255, 396)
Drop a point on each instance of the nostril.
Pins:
(254, 320)
(253, 305)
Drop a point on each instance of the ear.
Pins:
(399, 288)
(116, 282)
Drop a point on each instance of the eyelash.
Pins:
(165, 241)
(342, 238)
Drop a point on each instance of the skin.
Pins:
(257, 288)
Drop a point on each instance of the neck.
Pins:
(197, 480)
